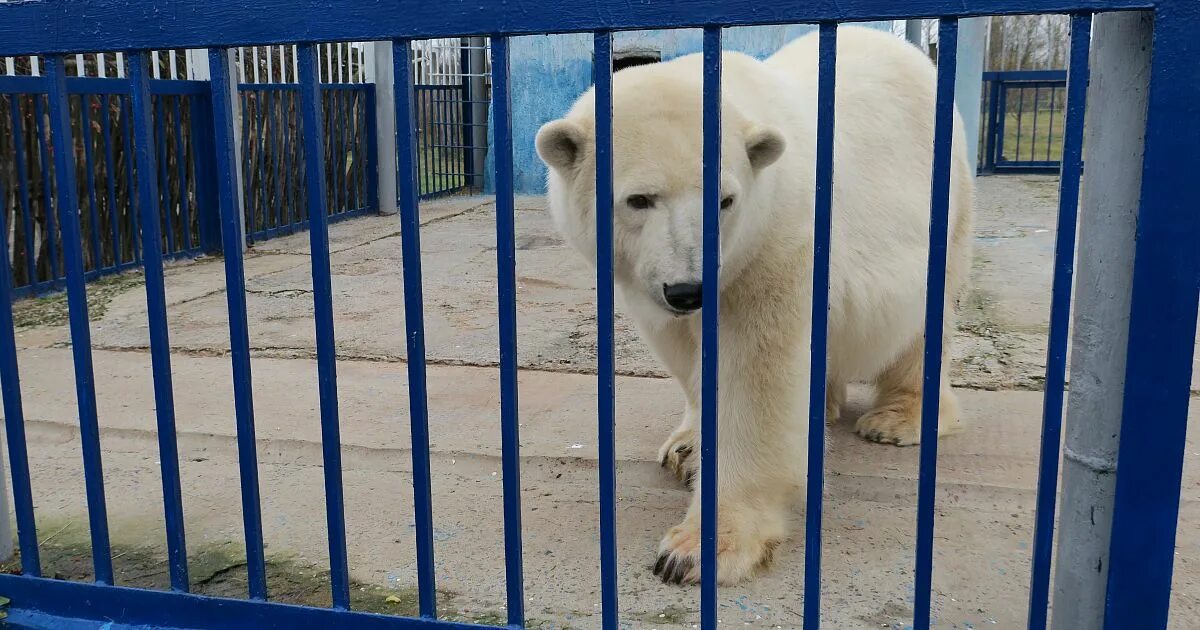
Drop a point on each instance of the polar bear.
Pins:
(881, 207)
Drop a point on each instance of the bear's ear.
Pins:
(560, 144)
(763, 146)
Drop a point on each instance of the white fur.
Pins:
(883, 155)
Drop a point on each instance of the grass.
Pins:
(1040, 137)
(435, 160)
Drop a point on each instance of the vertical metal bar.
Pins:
(943, 138)
(1162, 326)
(81, 338)
(419, 126)
(110, 166)
(156, 311)
(444, 96)
(185, 214)
(1037, 92)
(18, 132)
(372, 148)
(709, 366)
(283, 168)
(202, 158)
(14, 421)
(1060, 320)
(340, 199)
(239, 336)
(134, 212)
(335, 159)
(1003, 119)
(259, 177)
(1050, 132)
(245, 155)
(606, 386)
(827, 58)
(414, 323)
(506, 270)
(993, 126)
(44, 162)
(318, 232)
(85, 132)
(164, 206)
(254, 54)
(271, 97)
(1020, 118)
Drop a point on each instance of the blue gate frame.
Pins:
(999, 119)
(1162, 320)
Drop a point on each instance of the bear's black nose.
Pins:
(684, 296)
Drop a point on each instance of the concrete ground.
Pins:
(987, 475)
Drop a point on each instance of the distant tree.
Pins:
(1015, 42)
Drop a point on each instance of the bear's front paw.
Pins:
(740, 553)
(679, 455)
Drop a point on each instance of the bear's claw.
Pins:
(674, 569)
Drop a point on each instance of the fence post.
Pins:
(912, 32)
(385, 127)
(477, 97)
(1116, 119)
(968, 79)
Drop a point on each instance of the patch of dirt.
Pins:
(219, 570)
(52, 310)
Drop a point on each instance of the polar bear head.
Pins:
(657, 184)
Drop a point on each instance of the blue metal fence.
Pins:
(1024, 120)
(273, 155)
(105, 174)
(1162, 322)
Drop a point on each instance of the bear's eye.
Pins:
(727, 203)
(639, 202)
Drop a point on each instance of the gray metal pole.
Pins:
(236, 98)
(968, 78)
(479, 109)
(1116, 119)
(385, 126)
(912, 32)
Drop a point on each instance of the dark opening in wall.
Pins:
(635, 58)
(629, 58)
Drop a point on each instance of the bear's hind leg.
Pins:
(896, 415)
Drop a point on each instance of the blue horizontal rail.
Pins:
(42, 27)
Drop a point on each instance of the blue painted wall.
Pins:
(548, 72)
